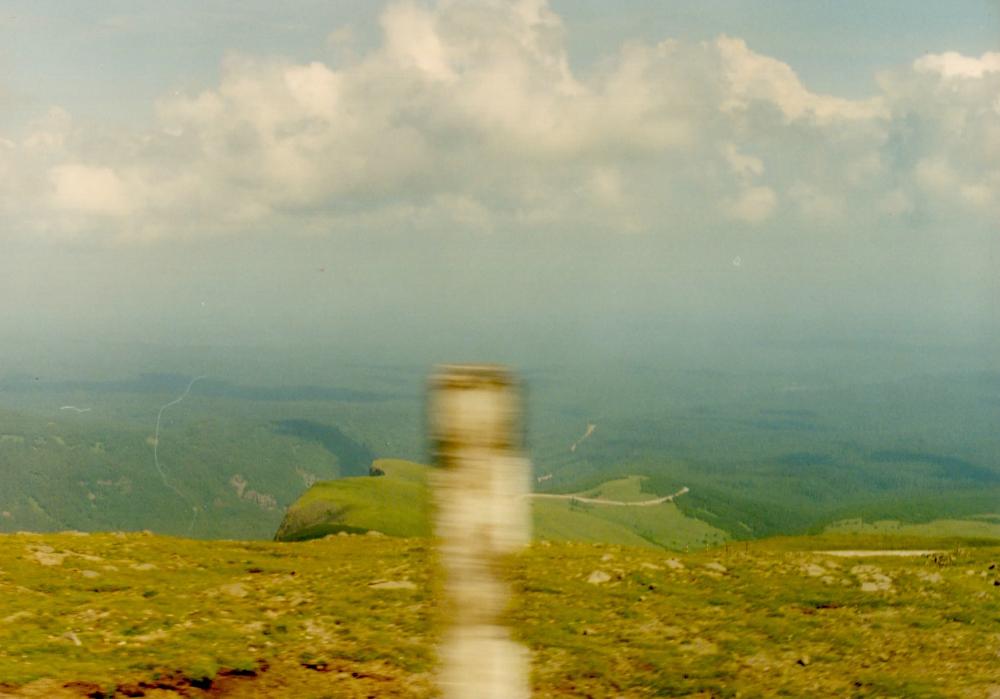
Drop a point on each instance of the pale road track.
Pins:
(590, 430)
(867, 553)
(616, 503)
(156, 456)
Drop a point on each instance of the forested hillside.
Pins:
(761, 454)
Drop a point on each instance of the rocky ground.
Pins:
(114, 615)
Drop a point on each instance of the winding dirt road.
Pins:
(616, 503)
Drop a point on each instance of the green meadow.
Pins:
(398, 503)
(981, 526)
(395, 503)
(116, 615)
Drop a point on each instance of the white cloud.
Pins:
(752, 78)
(412, 40)
(49, 132)
(954, 65)
(753, 204)
(468, 116)
(90, 190)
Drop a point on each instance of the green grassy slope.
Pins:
(982, 526)
(397, 504)
(628, 489)
(114, 615)
(662, 525)
(559, 520)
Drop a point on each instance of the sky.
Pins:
(574, 174)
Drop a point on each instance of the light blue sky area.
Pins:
(836, 46)
(110, 60)
(107, 60)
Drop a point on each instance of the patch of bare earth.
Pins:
(340, 678)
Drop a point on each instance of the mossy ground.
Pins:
(136, 615)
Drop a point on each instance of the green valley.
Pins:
(761, 453)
